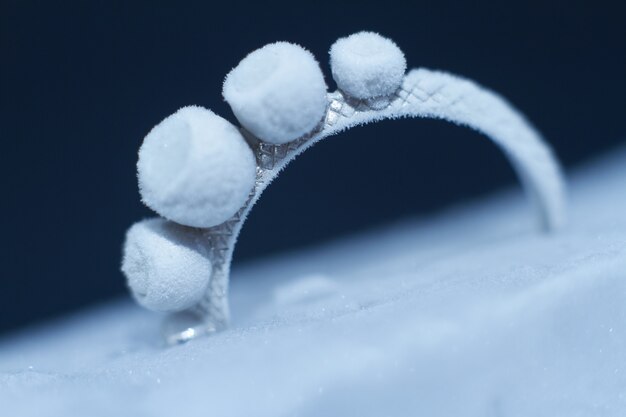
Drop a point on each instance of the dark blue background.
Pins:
(82, 83)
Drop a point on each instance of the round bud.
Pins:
(166, 265)
(277, 92)
(367, 65)
(195, 168)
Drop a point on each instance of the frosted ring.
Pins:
(181, 264)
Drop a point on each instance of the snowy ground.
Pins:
(470, 313)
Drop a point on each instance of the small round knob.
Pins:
(277, 92)
(367, 65)
(166, 265)
(195, 168)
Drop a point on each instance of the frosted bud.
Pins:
(166, 265)
(277, 92)
(367, 65)
(195, 168)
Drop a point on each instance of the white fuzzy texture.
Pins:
(277, 92)
(195, 168)
(467, 313)
(367, 65)
(166, 265)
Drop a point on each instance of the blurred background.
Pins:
(82, 83)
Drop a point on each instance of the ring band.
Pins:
(422, 93)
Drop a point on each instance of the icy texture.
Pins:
(277, 92)
(470, 313)
(166, 265)
(195, 168)
(367, 65)
(440, 95)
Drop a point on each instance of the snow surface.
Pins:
(468, 313)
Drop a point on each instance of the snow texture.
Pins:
(468, 313)
(195, 168)
(167, 265)
(367, 65)
(277, 92)
(440, 95)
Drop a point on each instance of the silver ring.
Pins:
(422, 93)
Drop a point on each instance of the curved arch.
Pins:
(423, 93)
